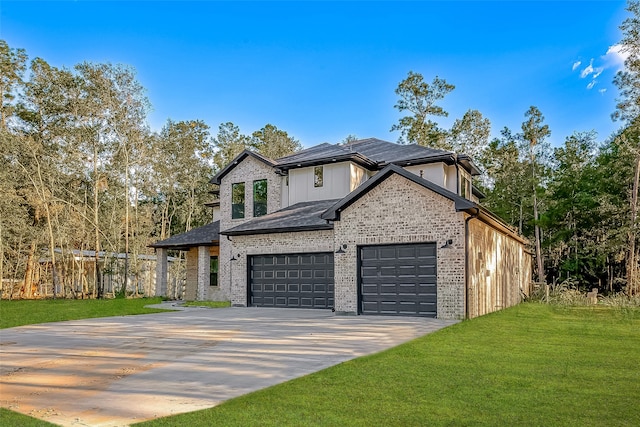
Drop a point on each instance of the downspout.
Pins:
(467, 280)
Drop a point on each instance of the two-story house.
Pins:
(369, 227)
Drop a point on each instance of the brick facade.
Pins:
(400, 211)
(276, 243)
(247, 171)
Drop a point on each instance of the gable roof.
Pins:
(207, 235)
(304, 216)
(240, 157)
(333, 213)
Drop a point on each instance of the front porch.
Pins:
(202, 247)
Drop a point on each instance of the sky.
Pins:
(324, 70)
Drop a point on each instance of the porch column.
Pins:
(161, 272)
(203, 272)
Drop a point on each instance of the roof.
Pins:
(207, 235)
(333, 213)
(240, 157)
(370, 153)
(304, 216)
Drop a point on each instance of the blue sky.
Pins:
(324, 70)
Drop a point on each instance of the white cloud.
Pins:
(587, 70)
(615, 57)
(602, 91)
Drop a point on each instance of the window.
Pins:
(213, 271)
(465, 188)
(237, 200)
(318, 177)
(260, 197)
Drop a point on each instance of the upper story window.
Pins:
(237, 200)
(260, 197)
(318, 176)
(465, 188)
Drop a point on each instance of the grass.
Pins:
(532, 364)
(11, 418)
(210, 304)
(27, 312)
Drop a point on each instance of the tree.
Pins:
(534, 133)
(575, 238)
(419, 98)
(274, 143)
(470, 134)
(628, 109)
(228, 144)
(12, 67)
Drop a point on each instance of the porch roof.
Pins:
(207, 235)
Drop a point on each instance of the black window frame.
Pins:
(214, 266)
(318, 176)
(238, 200)
(260, 203)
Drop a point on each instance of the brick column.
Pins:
(203, 272)
(161, 272)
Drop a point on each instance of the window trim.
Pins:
(240, 214)
(266, 198)
(318, 176)
(217, 268)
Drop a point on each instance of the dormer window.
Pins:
(237, 200)
(318, 176)
(259, 197)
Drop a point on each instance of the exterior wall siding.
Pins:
(499, 269)
(400, 211)
(260, 244)
(336, 183)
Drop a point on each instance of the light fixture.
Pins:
(233, 258)
(447, 244)
(341, 249)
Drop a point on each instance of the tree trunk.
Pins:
(28, 273)
(97, 286)
(632, 267)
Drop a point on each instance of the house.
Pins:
(369, 227)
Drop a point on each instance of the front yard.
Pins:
(529, 365)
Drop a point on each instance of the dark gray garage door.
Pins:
(398, 279)
(293, 280)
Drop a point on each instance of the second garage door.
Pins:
(291, 280)
(398, 279)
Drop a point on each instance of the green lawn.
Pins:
(529, 365)
(209, 304)
(28, 312)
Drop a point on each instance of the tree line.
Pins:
(577, 203)
(81, 170)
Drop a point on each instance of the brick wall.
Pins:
(400, 211)
(246, 171)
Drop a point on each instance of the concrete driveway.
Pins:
(120, 370)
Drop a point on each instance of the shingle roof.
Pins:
(207, 235)
(303, 216)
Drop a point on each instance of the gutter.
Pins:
(466, 261)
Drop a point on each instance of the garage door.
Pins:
(398, 279)
(293, 280)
